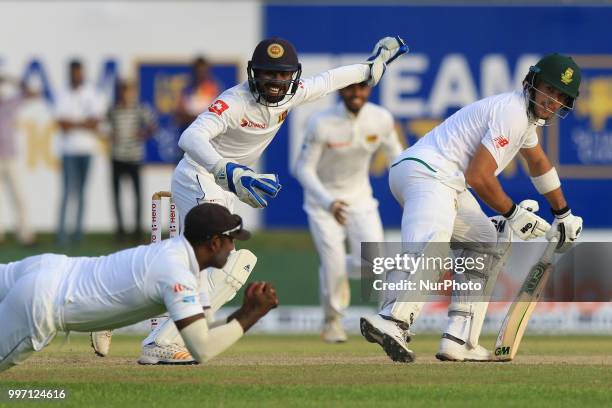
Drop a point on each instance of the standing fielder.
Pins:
(333, 168)
(430, 181)
(44, 294)
(226, 140)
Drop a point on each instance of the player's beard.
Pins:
(355, 104)
(271, 95)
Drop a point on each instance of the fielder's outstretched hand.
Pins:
(385, 52)
(250, 187)
(260, 297)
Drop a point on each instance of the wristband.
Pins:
(560, 213)
(510, 212)
(547, 182)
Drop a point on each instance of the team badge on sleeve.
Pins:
(282, 117)
(371, 138)
(218, 107)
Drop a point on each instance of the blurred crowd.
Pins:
(84, 117)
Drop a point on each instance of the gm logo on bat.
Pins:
(502, 351)
(534, 278)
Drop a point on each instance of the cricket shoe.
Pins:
(170, 354)
(455, 349)
(389, 335)
(333, 332)
(101, 341)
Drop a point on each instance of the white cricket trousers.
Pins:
(29, 317)
(191, 187)
(362, 225)
(432, 212)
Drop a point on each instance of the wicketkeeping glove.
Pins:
(250, 187)
(385, 52)
(567, 227)
(526, 224)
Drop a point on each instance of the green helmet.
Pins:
(560, 71)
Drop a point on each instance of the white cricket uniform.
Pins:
(428, 178)
(42, 295)
(334, 165)
(237, 128)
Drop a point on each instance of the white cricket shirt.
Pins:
(129, 286)
(237, 128)
(499, 122)
(334, 162)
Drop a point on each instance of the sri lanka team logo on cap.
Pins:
(566, 77)
(275, 50)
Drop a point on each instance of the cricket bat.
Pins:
(515, 323)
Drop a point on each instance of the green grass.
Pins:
(291, 371)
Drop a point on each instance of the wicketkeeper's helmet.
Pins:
(274, 54)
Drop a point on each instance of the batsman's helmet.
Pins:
(558, 70)
(273, 54)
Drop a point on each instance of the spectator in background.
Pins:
(199, 94)
(79, 111)
(12, 96)
(130, 125)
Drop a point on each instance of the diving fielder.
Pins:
(430, 180)
(45, 294)
(224, 142)
(333, 168)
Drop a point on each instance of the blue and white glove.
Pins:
(250, 187)
(567, 227)
(385, 52)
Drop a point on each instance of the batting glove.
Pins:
(385, 52)
(505, 234)
(530, 205)
(250, 187)
(526, 224)
(567, 227)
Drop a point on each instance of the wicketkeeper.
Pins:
(224, 143)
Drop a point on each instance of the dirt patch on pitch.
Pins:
(354, 360)
(284, 360)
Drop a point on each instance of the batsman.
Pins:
(435, 181)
